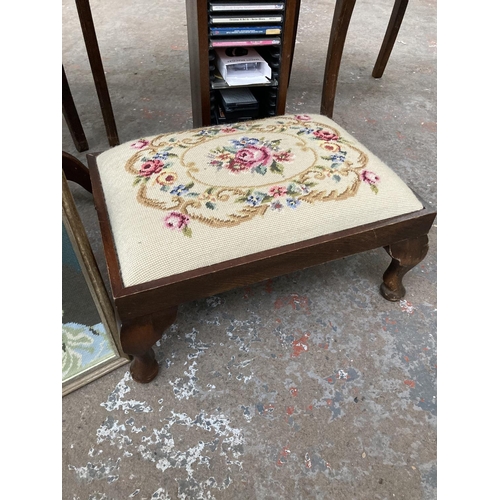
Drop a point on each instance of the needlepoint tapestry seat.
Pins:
(182, 201)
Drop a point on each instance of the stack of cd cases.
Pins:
(245, 23)
(235, 29)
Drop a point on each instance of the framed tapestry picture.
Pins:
(90, 340)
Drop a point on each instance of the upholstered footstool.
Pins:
(191, 214)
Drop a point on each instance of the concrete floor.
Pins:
(239, 410)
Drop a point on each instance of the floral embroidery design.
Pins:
(140, 144)
(251, 154)
(276, 165)
(371, 179)
(178, 221)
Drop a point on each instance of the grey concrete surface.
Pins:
(241, 409)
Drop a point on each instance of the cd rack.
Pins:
(215, 25)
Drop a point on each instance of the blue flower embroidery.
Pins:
(292, 202)
(255, 199)
(161, 155)
(244, 141)
(338, 157)
(179, 190)
(208, 131)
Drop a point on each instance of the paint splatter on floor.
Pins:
(230, 410)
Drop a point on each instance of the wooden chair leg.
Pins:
(137, 338)
(395, 21)
(76, 171)
(71, 116)
(94, 55)
(341, 19)
(405, 255)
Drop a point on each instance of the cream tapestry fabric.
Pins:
(191, 199)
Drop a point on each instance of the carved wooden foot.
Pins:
(405, 255)
(138, 337)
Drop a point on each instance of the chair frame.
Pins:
(101, 86)
(145, 311)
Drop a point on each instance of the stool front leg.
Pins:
(138, 336)
(405, 255)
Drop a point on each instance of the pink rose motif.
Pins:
(176, 220)
(277, 191)
(151, 167)
(251, 157)
(141, 143)
(325, 135)
(303, 118)
(369, 177)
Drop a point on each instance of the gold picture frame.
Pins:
(80, 244)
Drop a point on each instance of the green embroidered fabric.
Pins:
(185, 200)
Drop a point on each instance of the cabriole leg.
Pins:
(138, 336)
(405, 255)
